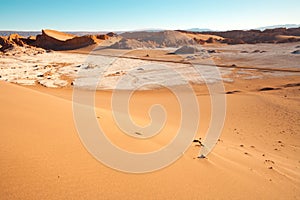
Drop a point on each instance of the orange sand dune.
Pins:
(42, 157)
(58, 35)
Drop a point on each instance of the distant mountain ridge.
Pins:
(278, 26)
(199, 29)
(81, 33)
(35, 33)
(21, 33)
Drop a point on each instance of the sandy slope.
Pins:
(203, 36)
(41, 156)
(58, 35)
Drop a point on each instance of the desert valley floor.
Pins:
(256, 157)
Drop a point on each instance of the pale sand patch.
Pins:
(204, 36)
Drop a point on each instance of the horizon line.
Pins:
(158, 29)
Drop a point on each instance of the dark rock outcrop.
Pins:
(296, 52)
(11, 41)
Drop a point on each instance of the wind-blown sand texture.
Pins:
(58, 35)
(257, 155)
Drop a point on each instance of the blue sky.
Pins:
(115, 15)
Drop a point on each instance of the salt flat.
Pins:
(60, 69)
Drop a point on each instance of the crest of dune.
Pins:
(55, 40)
(58, 35)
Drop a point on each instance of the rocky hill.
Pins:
(51, 39)
(143, 39)
(277, 35)
(14, 40)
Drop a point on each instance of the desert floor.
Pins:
(257, 156)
